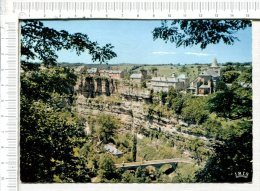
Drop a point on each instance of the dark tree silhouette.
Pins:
(134, 148)
(42, 43)
(231, 158)
(51, 134)
(221, 103)
(199, 32)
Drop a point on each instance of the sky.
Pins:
(133, 43)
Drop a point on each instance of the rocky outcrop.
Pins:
(91, 87)
(133, 115)
(124, 112)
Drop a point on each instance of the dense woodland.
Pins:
(55, 148)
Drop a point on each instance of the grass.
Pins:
(191, 71)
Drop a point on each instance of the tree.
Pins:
(200, 32)
(40, 43)
(154, 70)
(142, 176)
(213, 128)
(242, 102)
(107, 169)
(221, 103)
(221, 86)
(106, 126)
(162, 96)
(194, 110)
(51, 135)
(143, 84)
(232, 156)
(175, 100)
(235, 102)
(134, 149)
(128, 177)
(230, 76)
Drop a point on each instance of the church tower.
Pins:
(214, 66)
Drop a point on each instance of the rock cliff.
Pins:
(91, 87)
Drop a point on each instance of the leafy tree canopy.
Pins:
(107, 169)
(50, 133)
(41, 43)
(106, 126)
(199, 32)
(232, 156)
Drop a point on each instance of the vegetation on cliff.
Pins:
(59, 144)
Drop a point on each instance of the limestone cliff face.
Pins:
(123, 111)
(134, 115)
(94, 97)
(91, 87)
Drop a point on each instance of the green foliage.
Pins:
(221, 86)
(242, 104)
(228, 68)
(139, 176)
(232, 156)
(143, 84)
(212, 128)
(134, 148)
(221, 103)
(107, 169)
(105, 127)
(200, 32)
(166, 169)
(42, 43)
(50, 134)
(230, 76)
(162, 97)
(245, 76)
(152, 149)
(128, 177)
(153, 69)
(47, 83)
(48, 138)
(183, 69)
(157, 111)
(194, 110)
(175, 100)
(185, 173)
(235, 102)
(142, 175)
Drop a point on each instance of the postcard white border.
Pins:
(255, 185)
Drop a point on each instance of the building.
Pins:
(139, 77)
(113, 150)
(185, 79)
(81, 69)
(215, 67)
(114, 74)
(92, 72)
(206, 81)
(165, 83)
(136, 77)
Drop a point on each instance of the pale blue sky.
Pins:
(133, 42)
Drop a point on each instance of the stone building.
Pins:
(110, 148)
(92, 72)
(164, 83)
(206, 81)
(138, 77)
